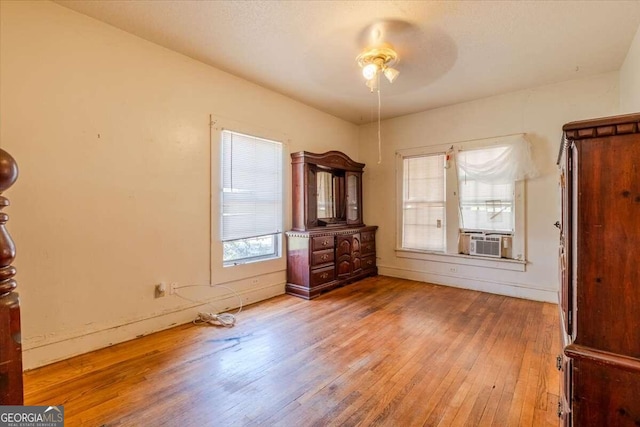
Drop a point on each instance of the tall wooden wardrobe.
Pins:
(600, 272)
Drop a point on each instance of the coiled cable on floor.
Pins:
(221, 319)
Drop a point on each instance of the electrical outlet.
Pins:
(160, 290)
(172, 288)
(254, 281)
(453, 270)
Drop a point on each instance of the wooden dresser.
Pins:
(329, 245)
(600, 272)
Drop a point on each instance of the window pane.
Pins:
(483, 205)
(256, 247)
(423, 208)
(251, 196)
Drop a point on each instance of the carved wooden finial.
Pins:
(8, 170)
(11, 385)
(8, 175)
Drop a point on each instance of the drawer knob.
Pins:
(325, 242)
(324, 275)
(324, 257)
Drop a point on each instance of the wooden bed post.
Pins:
(11, 392)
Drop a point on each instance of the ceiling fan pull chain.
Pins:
(379, 136)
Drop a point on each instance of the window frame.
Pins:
(459, 183)
(452, 219)
(277, 236)
(235, 271)
(403, 202)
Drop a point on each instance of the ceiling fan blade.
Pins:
(386, 31)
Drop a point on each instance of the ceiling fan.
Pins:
(378, 58)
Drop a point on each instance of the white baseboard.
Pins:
(69, 346)
(65, 347)
(491, 286)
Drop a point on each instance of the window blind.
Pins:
(423, 204)
(251, 186)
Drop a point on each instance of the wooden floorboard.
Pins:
(379, 352)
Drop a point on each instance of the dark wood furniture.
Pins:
(329, 245)
(11, 391)
(600, 272)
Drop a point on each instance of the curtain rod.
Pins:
(448, 146)
(491, 137)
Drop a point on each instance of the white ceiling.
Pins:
(449, 52)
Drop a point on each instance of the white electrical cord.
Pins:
(221, 319)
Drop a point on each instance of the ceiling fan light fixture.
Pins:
(369, 71)
(391, 74)
(373, 62)
(378, 59)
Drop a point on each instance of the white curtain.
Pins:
(502, 161)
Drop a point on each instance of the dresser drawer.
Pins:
(368, 247)
(368, 236)
(322, 275)
(321, 243)
(368, 262)
(322, 257)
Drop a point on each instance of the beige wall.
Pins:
(539, 112)
(630, 78)
(112, 139)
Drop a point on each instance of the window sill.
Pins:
(250, 261)
(475, 261)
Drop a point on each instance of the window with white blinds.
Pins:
(486, 202)
(423, 202)
(252, 205)
(448, 191)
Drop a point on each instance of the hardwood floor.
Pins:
(382, 351)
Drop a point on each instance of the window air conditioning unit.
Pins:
(486, 245)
